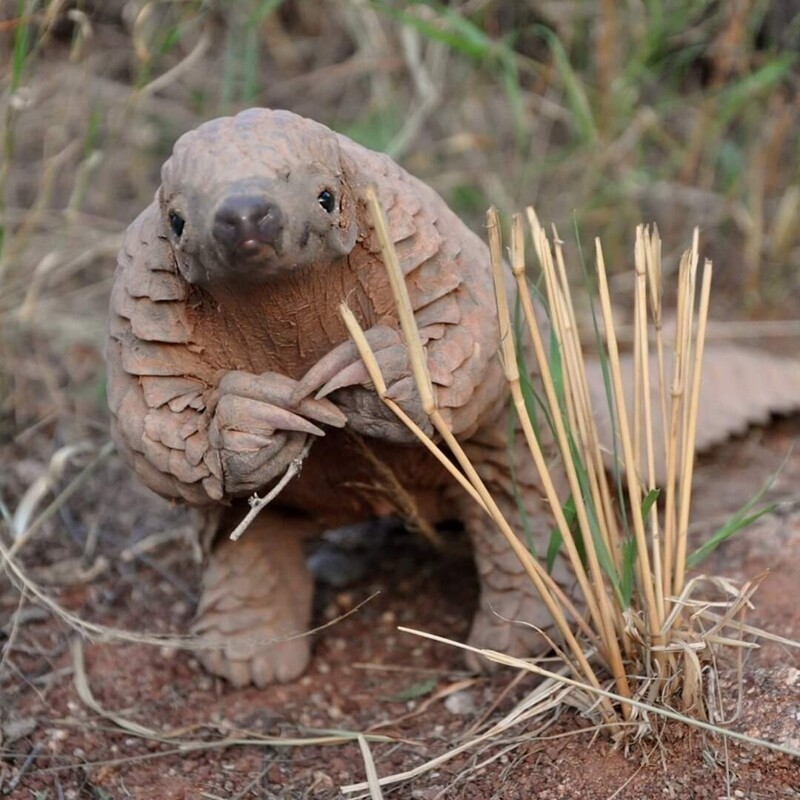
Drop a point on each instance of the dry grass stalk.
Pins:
(555, 691)
(642, 619)
(690, 432)
(386, 484)
(596, 598)
(97, 632)
(649, 708)
(179, 736)
(549, 591)
(635, 440)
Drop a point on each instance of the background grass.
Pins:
(604, 113)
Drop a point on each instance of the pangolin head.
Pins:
(247, 198)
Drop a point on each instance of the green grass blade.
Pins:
(573, 86)
(626, 581)
(741, 519)
(649, 500)
(556, 539)
(530, 543)
(734, 525)
(22, 37)
(739, 95)
(450, 28)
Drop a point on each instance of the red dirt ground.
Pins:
(55, 746)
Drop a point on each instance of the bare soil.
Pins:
(365, 676)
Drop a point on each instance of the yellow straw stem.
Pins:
(544, 584)
(365, 351)
(673, 438)
(691, 433)
(597, 600)
(416, 352)
(643, 556)
(644, 367)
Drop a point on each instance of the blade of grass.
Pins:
(585, 126)
(741, 519)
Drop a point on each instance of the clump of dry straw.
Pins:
(648, 640)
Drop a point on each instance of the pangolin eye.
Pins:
(327, 200)
(176, 222)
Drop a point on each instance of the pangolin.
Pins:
(227, 359)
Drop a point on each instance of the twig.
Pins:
(181, 68)
(22, 539)
(257, 504)
(26, 765)
(369, 767)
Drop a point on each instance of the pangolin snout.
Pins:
(244, 224)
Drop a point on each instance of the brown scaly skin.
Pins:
(223, 329)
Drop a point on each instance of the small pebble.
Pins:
(460, 703)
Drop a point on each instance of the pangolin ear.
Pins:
(342, 238)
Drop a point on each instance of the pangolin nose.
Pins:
(247, 220)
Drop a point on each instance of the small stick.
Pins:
(257, 504)
(26, 765)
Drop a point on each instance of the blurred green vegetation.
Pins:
(604, 114)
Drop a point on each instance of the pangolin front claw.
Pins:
(261, 418)
(392, 362)
(279, 390)
(343, 366)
